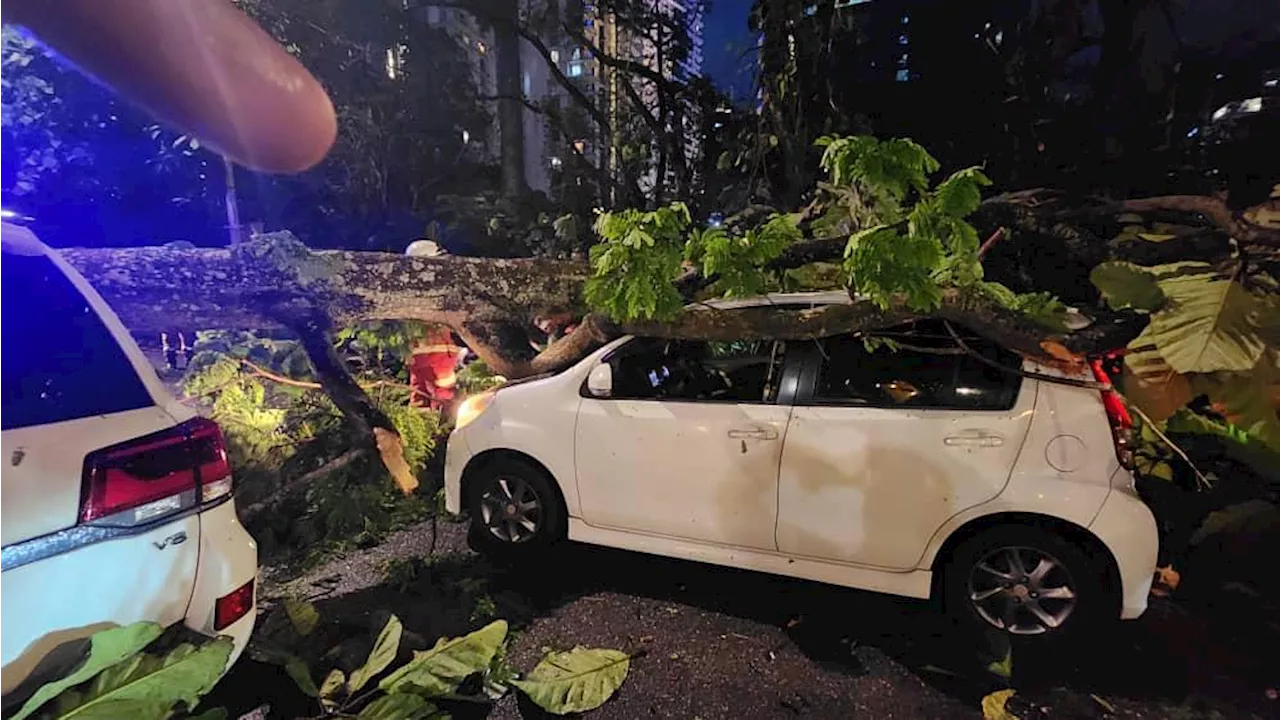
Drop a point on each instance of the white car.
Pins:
(117, 500)
(901, 471)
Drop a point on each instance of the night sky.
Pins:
(728, 48)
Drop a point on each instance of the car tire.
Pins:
(516, 510)
(999, 580)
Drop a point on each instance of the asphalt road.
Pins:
(721, 643)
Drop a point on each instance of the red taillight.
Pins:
(157, 474)
(233, 606)
(1117, 415)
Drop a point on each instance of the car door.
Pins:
(892, 435)
(688, 443)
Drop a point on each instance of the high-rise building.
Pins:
(552, 137)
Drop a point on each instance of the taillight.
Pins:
(233, 606)
(1117, 415)
(155, 475)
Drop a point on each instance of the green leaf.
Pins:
(961, 193)
(297, 669)
(579, 680)
(441, 669)
(1212, 323)
(302, 615)
(1125, 285)
(334, 684)
(993, 706)
(1004, 666)
(1247, 398)
(106, 648)
(401, 706)
(382, 655)
(145, 686)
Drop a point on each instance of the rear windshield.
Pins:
(59, 361)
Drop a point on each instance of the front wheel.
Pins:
(1028, 582)
(515, 510)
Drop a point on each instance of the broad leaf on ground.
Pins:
(303, 616)
(400, 706)
(106, 648)
(146, 686)
(993, 706)
(579, 680)
(382, 655)
(441, 669)
(297, 669)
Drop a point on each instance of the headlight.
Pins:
(471, 408)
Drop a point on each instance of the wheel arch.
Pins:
(487, 458)
(1090, 544)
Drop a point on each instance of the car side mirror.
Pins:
(600, 381)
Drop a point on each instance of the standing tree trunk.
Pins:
(510, 91)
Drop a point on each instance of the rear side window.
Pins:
(923, 372)
(60, 362)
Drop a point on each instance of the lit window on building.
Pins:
(849, 3)
(555, 56)
(902, 60)
(556, 163)
(392, 67)
(526, 85)
(906, 19)
(810, 10)
(903, 39)
(902, 75)
(576, 68)
(482, 47)
(580, 145)
(999, 36)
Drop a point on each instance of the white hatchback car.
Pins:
(902, 471)
(117, 503)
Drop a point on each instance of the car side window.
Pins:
(60, 361)
(917, 365)
(657, 369)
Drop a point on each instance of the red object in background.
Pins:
(433, 369)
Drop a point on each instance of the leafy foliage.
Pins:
(574, 681)
(277, 430)
(578, 680)
(739, 261)
(1211, 333)
(106, 648)
(639, 255)
(907, 240)
(120, 679)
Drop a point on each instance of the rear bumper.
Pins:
(1127, 527)
(228, 560)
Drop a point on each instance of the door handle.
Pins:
(974, 438)
(758, 434)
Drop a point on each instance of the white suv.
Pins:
(117, 499)
(920, 471)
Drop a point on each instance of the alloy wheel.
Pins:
(1022, 590)
(511, 509)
